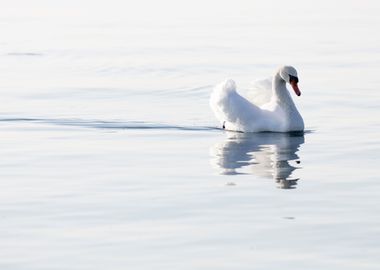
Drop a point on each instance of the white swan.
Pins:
(279, 114)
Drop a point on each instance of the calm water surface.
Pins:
(112, 159)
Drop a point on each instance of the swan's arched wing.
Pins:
(232, 109)
(260, 91)
(220, 96)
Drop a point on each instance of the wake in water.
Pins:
(101, 124)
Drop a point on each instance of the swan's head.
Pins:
(289, 75)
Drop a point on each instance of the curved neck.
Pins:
(280, 92)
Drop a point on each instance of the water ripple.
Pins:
(24, 54)
(102, 124)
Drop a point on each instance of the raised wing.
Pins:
(260, 91)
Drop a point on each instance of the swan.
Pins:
(277, 114)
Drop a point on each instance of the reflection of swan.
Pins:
(278, 113)
(269, 155)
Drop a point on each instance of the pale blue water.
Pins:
(111, 157)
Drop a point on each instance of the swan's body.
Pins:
(279, 114)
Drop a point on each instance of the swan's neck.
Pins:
(281, 94)
(282, 99)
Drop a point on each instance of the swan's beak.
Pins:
(295, 87)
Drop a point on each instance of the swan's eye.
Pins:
(293, 78)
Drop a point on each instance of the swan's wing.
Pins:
(231, 108)
(220, 96)
(260, 91)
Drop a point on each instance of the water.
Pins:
(111, 157)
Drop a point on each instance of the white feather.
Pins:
(260, 91)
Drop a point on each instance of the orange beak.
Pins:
(295, 87)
